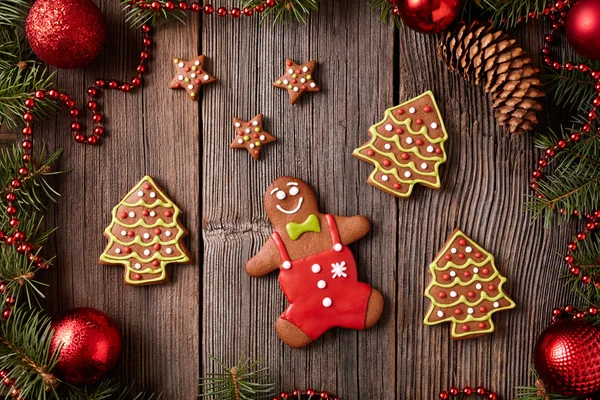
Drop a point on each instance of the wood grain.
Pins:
(212, 307)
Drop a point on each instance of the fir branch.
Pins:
(285, 10)
(507, 13)
(537, 392)
(137, 16)
(247, 380)
(587, 258)
(385, 8)
(107, 389)
(570, 89)
(13, 12)
(20, 76)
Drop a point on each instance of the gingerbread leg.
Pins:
(374, 309)
(291, 335)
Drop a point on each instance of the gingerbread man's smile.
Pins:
(282, 195)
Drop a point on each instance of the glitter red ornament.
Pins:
(428, 16)
(582, 28)
(567, 358)
(66, 33)
(90, 345)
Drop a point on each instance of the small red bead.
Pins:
(125, 87)
(28, 117)
(27, 131)
(248, 12)
(15, 184)
(183, 5)
(222, 11)
(141, 69)
(208, 9)
(235, 12)
(155, 6)
(195, 7)
(98, 131)
(92, 105)
(29, 103)
(39, 94)
(97, 117)
(92, 139)
(169, 6)
(453, 391)
(53, 93)
(136, 81)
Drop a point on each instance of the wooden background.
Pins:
(213, 307)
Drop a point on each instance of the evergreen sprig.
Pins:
(247, 381)
(13, 12)
(508, 13)
(587, 258)
(285, 10)
(137, 16)
(537, 392)
(385, 8)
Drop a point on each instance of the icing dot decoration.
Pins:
(316, 268)
(327, 302)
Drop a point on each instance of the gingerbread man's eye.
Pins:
(280, 195)
(294, 191)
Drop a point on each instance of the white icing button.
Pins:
(146, 235)
(262, 137)
(240, 141)
(316, 268)
(237, 124)
(146, 252)
(180, 77)
(190, 87)
(434, 125)
(470, 310)
(475, 270)
(478, 286)
(294, 190)
(453, 250)
(468, 249)
(131, 214)
(152, 214)
(453, 294)
(327, 302)
(152, 194)
(181, 64)
(407, 174)
(168, 233)
(248, 130)
(409, 140)
(140, 193)
(117, 251)
(169, 250)
(137, 266)
(197, 62)
(206, 77)
(285, 81)
(337, 247)
(384, 178)
(389, 128)
(387, 146)
(296, 88)
(412, 110)
(452, 273)
(424, 166)
(287, 265)
(302, 80)
(312, 84)
(123, 233)
(192, 75)
(321, 284)
(496, 304)
(440, 314)
(430, 149)
(251, 145)
(255, 123)
(305, 69)
(280, 194)
(290, 71)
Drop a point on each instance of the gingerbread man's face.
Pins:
(289, 199)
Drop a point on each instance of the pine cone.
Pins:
(492, 60)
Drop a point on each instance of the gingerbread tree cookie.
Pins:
(191, 76)
(298, 78)
(251, 135)
(466, 288)
(406, 147)
(145, 235)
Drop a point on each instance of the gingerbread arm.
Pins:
(265, 261)
(352, 228)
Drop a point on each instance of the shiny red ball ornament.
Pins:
(66, 33)
(428, 16)
(567, 358)
(583, 28)
(90, 345)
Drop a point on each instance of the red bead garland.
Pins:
(558, 314)
(312, 395)
(195, 7)
(592, 225)
(467, 391)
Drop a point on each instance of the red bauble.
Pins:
(90, 345)
(583, 28)
(567, 358)
(428, 16)
(66, 33)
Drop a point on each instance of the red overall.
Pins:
(323, 288)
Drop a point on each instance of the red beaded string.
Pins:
(561, 313)
(310, 393)
(195, 7)
(467, 391)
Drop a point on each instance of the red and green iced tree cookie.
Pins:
(466, 288)
(250, 135)
(191, 76)
(406, 147)
(145, 235)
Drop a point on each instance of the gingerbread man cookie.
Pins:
(318, 272)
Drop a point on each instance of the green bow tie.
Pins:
(295, 230)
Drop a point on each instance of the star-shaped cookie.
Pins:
(191, 76)
(250, 135)
(297, 79)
